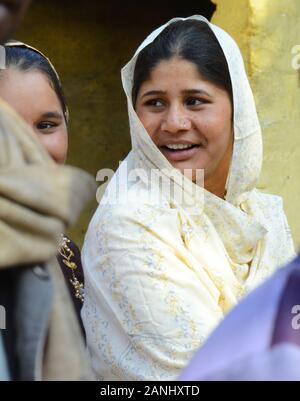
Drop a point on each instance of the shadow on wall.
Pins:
(89, 42)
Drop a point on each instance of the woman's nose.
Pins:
(175, 120)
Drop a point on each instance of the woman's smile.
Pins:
(179, 151)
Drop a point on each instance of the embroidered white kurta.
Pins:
(159, 275)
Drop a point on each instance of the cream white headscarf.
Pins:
(159, 278)
(243, 212)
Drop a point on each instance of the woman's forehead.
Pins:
(177, 74)
(21, 89)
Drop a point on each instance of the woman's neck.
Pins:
(216, 183)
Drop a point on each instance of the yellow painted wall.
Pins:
(266, 31)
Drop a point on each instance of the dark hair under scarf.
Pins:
(190, 40)
(26, 58)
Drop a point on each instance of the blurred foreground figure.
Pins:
(259, 339)
(38, 201)
(11, 13)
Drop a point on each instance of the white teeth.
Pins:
(179, 146)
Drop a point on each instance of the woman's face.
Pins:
(32, 96)
(188, 118)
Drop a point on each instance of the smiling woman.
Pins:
(189, 119)
(183, 95)
(161, 274)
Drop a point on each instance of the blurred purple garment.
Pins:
(259, 339)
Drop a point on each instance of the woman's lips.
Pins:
(179, 154)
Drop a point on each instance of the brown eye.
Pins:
(46, 125)
(195, 102)
(154, 103)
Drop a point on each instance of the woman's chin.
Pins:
(189, 168)
(193, 172)
(185, 159)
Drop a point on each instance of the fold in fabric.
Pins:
(38, 198)
(259, 339)
(38, 201)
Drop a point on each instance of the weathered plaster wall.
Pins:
(266, 31)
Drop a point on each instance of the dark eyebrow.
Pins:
(185, 92)
(52, 114)
(154, 93)
(196, 92)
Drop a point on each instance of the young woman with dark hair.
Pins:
(30, 85)
(162, 270)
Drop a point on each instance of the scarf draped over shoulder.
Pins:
(161, 274)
